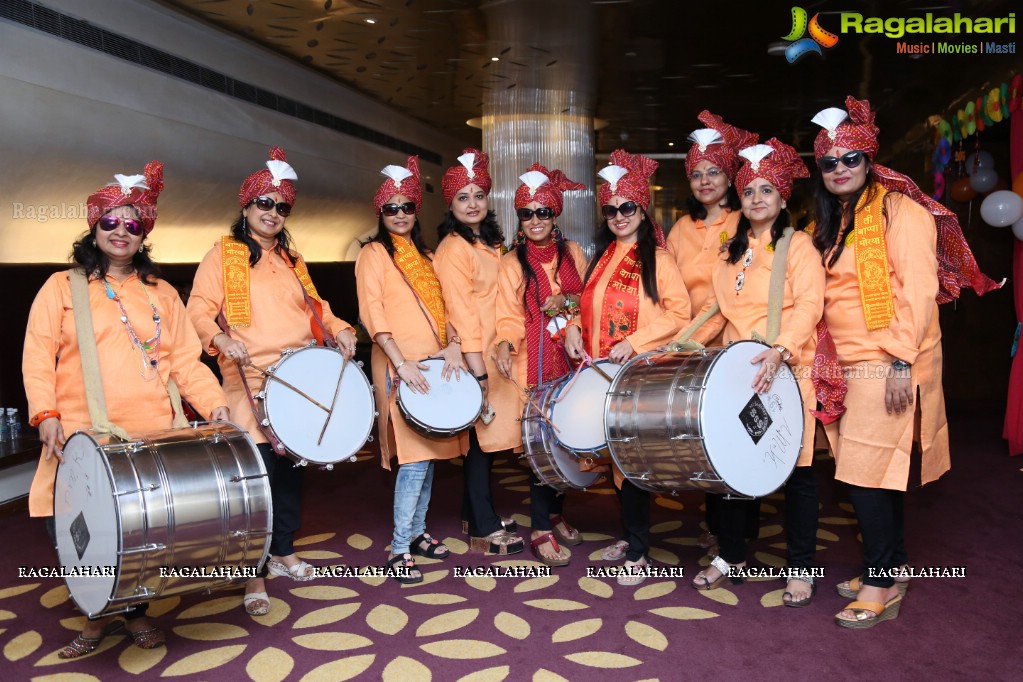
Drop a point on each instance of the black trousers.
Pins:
(738, 525)
(137, 611)
(712, 503)
(880, 513)
(477, 501)
(635, 519)
(286, 483)
(544, 502)
(801, 513)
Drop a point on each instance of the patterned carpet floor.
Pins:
(567, 626)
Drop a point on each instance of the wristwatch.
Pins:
(785, 353)
(900, 365)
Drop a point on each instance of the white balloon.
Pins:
(983, 180)
(1002, 208)
(978, 160)
(1017, 229)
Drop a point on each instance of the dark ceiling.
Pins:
(658, 63)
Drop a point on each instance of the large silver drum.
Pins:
(194, 502)
(685, 421)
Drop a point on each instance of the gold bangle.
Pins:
(511, 346)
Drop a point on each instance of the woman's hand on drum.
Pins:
(504, 359)
(232, 348)
(454, 363)
(346, 343)
(574, 342)
(412, 374)
(772, 362)
(51, 433)
(621, 352)
(898, 391)
(220, 414)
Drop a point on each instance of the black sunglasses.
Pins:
(266, 203)
(109, 223)
(542, 213)
(391, 210)
(828, 164)
(628, 209)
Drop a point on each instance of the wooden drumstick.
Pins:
(302, 393)
(602, 373)
(337, 391)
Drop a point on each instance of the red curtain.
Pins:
(1013, 430)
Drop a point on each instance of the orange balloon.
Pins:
(961, 190)
(1017, 185)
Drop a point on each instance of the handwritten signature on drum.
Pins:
(778, 443)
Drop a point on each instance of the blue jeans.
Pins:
(411, 501)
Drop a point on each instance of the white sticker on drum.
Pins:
(752, 440)
(449, 407)
(578, 410)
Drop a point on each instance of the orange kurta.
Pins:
(280, 319)
(387, 304)
(658, 323)
(511, 313)
(696, 246)
(872, 448)
(468, 277)
(801, 310)
(52, 364)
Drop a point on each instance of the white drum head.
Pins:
(450, 406)
(87, 523)
(753, 440)
(297, 422)
(578, 410)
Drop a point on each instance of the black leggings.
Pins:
(477, 501)
(544, 502)
(738, 525)
(880, 513)
(635, 519)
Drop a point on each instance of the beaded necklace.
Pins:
(149, 366)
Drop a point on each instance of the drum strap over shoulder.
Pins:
(93, 380)
(776, 287)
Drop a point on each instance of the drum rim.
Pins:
(432, 430)
(546, 438)
(297, 457)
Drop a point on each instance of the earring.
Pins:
(94, 241)
(141, 248)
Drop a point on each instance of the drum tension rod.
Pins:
(145, 489)
(236, 478)
(151, 547)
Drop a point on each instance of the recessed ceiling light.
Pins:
(495, 59)
(371, 21)
(671, 144)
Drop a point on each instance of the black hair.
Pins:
(646, 253)
(828, 213)
(383, 238)
(240, 231)
(529, 275)
(698, 211)
(86, 253)
(740, 242)
(490, 231)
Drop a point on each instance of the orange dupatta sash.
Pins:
(619, 315)
(872, 261)
(237, 306)
(419, 274)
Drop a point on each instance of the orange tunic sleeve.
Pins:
(911, 239)
(332, 322)
(42, 346)
(456, 268)
(207, 298)
(804, 276)
(511, 324)
(369, 278)
(659, 323)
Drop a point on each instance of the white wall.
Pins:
(71, 117)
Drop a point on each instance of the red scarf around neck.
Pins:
(553, 359)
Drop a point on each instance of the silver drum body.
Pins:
(553, 464)
(691, 421)
(193, 501)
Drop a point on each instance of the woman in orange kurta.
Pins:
(526, 304)
(401, 306)
(879, 252)
(741, 283)
(143, 339)
(633, 302)
(467, 262)
(696, 240)
(273, 312)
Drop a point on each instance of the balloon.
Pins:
(983, 180)
(978, 160)
(1017, 185)
(961, 190)
(1017, 229)
(1000, 209)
